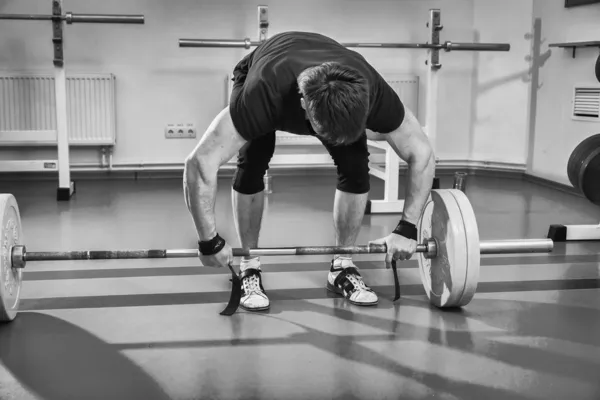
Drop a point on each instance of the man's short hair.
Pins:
(337, 101)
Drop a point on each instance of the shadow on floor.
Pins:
(519, 334)
(56, 360)
(507, 320)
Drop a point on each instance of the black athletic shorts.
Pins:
(265, 99)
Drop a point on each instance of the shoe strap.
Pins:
(343, 282)
(250, 272)
(396, 281)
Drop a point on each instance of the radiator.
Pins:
(28, 109)
(405, 85)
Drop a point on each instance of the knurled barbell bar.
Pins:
(448, 248)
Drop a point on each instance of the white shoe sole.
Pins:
(335, 290)
(255, 308)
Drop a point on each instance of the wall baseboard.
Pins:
(315, 165)
(445, 168)
(552, 184)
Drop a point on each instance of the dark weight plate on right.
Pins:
(583, 168)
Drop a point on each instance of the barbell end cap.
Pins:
(17, 256)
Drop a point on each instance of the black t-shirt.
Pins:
(265, 97)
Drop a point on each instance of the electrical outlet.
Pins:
(170, 131)
(180, 131)
(190, 131)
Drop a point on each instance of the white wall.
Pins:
(492, 107)
(482, 102)
(555, 134)
(160, 83)
(500, 87)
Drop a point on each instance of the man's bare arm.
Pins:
(218, 145)
(412, 145)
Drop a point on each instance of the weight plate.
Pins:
(598, 68)
(583, 168)
(590, 177)
(10, 278)
(450, 279)
(471, 230)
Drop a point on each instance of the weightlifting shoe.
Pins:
(254, 297)
(344, 279)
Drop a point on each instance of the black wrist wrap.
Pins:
(406, 229)
(212, 246)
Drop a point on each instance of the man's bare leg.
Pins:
(248, 212)
(348, 213)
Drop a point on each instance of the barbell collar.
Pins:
(17, 256)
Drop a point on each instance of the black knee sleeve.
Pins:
(352, 164)
(253, 163)
(354, 179)
(249, 181)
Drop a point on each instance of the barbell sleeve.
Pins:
(243, 43)
(452, 46)
(103, 18)
(516, 246)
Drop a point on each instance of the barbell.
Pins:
(447, 46)
(448, 249)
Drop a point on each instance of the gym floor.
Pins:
(151, 329)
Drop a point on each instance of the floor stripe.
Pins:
(160, 299)
(285, 267)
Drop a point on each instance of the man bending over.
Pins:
(306, 84)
